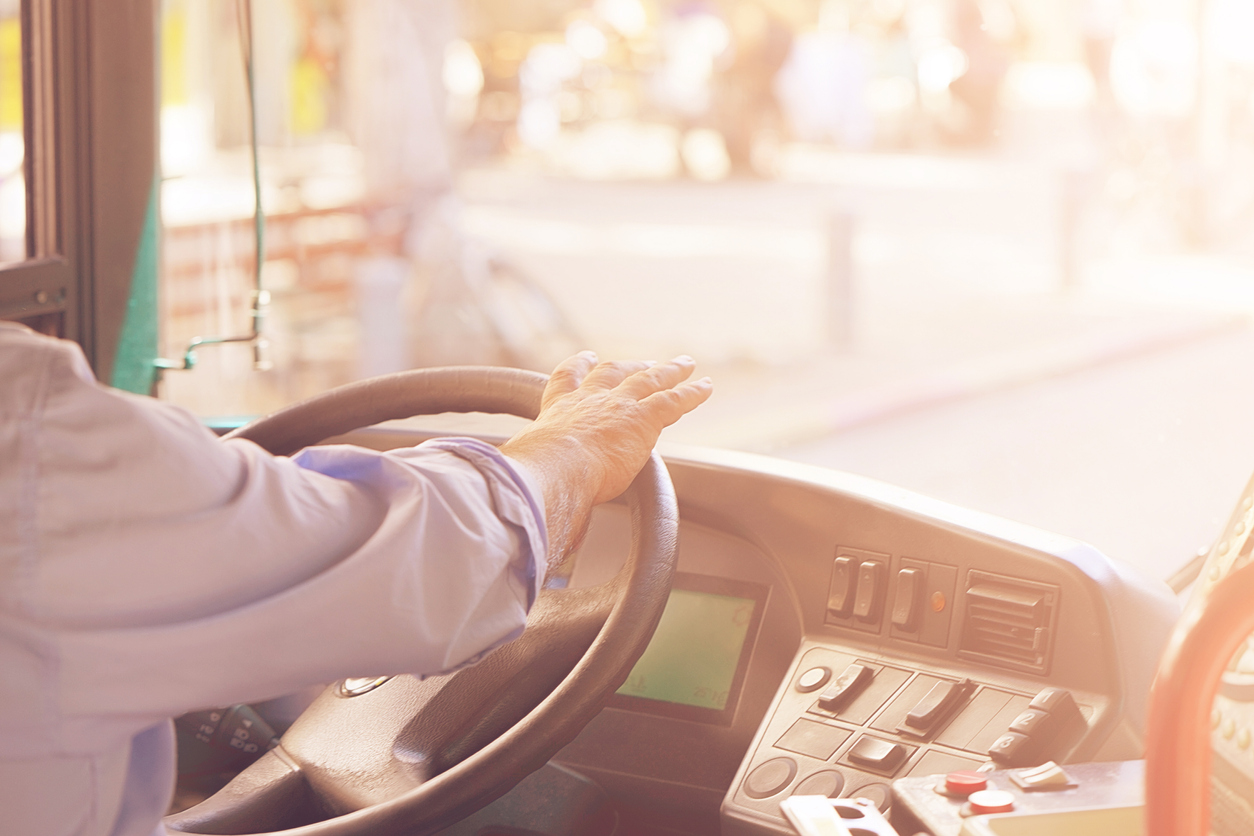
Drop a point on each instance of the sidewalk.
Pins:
(762, 409)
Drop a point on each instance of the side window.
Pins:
(12, 141)
(37, 286)
(77, 177)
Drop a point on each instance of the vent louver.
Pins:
(1009, 622)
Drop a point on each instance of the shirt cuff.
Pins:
(516, 495)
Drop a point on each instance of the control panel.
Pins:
(1079, 799)
(916, 598)
(1009, 621)
(846, 725)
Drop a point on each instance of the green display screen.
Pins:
(698, 654)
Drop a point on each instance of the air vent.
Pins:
(1008, 622)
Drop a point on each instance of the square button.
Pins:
(815, 740)
(879, 755)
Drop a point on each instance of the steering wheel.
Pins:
(404, 754)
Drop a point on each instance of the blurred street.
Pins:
(1112, 409)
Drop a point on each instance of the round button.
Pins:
(991, 801)
(355, 686)
(813, 679)
(828, 783)
(881, 795)
(965, 782)
(770, 777)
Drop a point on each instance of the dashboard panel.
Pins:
(950, 628)
(893, 636)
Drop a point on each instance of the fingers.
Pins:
(658, 377)
(669, 405)
(658, 386)
(568, 376)
(610, 374)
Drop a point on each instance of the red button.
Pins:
(965, 782)
(991, 801)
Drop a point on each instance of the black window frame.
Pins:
(90, 114)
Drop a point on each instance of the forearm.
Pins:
(563, 473)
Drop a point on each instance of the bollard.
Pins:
(1073, 187)
(379, 282)
(840, 290)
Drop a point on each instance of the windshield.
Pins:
(996, 252)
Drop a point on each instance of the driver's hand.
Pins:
(598, 423)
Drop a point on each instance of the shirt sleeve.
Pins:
(157, 569)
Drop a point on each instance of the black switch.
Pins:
(935, 706)
(1061, 726)
(908, 599)
(1013, 749)
(1031, 722)
(846, 686)
(1065, 724)
(840, 591)
(880, 755)
(869, 597)
(1055, 701)
(1047, 730)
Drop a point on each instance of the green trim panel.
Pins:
(133, 366)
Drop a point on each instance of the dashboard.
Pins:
(863, 634)
(829, 634)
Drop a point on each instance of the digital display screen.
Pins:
(695, 664)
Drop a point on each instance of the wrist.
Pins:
(566, 474)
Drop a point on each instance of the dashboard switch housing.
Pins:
(857, 589)
(868, 599)
(908, 599)
(841, 589)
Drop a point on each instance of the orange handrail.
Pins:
(1177, 740)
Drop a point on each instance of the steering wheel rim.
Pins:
(640, 592)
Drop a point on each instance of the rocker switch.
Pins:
(936, 706)
(869, 597)
(846, 686)
(840, 592)
(908, 599)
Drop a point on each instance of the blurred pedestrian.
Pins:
(761, 43)
(979, 88)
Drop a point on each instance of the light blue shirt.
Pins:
(148, 568)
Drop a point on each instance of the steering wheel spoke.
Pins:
(360, 750)
(483, 701)
(270, 794)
